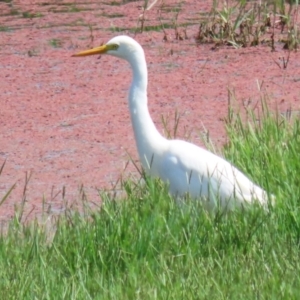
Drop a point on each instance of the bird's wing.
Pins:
(190, 168)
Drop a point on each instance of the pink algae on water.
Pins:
(65, 120)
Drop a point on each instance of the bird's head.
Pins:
(119, 46)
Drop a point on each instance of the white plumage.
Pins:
(186, 167)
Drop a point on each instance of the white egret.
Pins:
(187, 168)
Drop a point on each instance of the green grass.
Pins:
(111, 16)
(113, 3)
(5, 29)
(27, 14)
(148, 247)
(249, 23)
(55, 43)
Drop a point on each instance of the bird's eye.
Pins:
(114, 47)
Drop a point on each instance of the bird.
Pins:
(187, 168)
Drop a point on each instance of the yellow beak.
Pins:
(94, 51)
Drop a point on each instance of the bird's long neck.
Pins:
(150, 142)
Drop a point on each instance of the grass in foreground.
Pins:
(148, 247)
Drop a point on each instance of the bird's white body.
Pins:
(187, 168)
